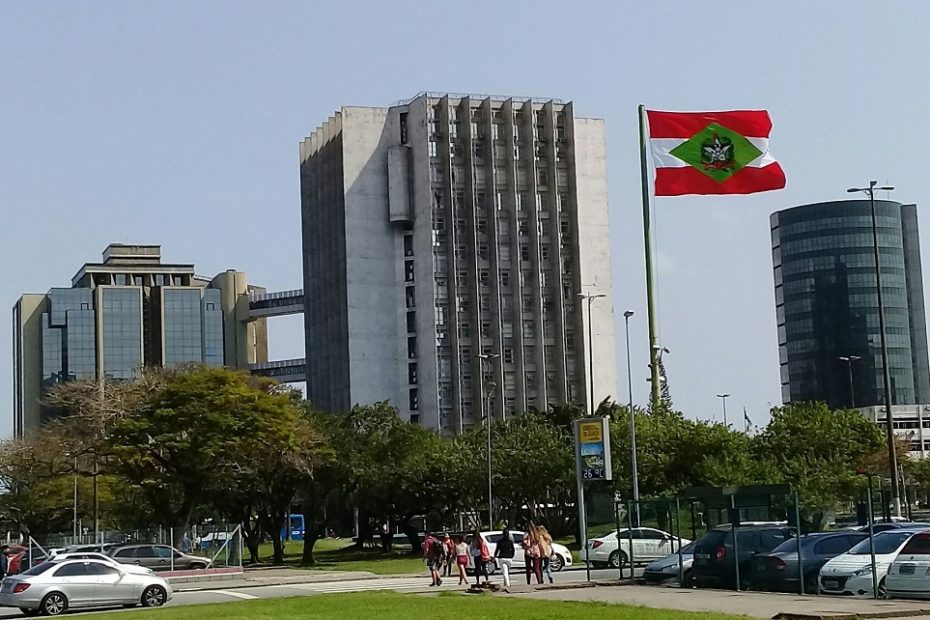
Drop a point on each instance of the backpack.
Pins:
(434, 549)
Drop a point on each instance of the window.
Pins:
(508, 355)
(483, 251)
(411, 297)
(484, 277)
(408, 245)
(769, 539)
(412, 373)
(653, 534)
(408, 271)
(403, 128)
(163, 552)
(524, 252)
(833, 545)
(505, 278)
(124, 553)
(412, 347)
(414, 399)
(78, 569)
(411, 321)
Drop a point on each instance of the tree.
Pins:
(818, 451)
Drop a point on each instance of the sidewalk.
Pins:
(270, 577)
(753, 604)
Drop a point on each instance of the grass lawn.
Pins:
(340, 554)
(392, 606)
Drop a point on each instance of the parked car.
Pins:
(778, 570)
(907, 576)
(135, 569)
(666, 569)
(894, 525)
(158, 557)
(850, 573)
(102, 548)
(560, 558)
(52, 588)
(19, 558)
(715, 561)
(649, 544)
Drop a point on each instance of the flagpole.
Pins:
(647, 246)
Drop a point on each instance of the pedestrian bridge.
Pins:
(279, 303)
(285, 371)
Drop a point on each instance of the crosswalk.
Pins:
(362, 585)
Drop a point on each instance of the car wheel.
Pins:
(688, 581)
(198, 566)
(618, 559)
(154, 596)
(556, 563)
(54, 604)
(598, 565)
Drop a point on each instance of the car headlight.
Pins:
(863, 571)
(671, 568)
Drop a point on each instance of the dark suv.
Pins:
(715, 560)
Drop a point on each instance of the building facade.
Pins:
(827, 305)
(446, 228)
(129, 311)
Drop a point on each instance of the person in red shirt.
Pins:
(433, 553)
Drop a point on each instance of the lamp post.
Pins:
(849, 359)
(591, 298)
(629, 379)
(724, 398)
(886, 371)
(487, 387)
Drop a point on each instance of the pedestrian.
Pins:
(4, 561)
(433, 553)
(545, 551)
(504, 555)
(386, 537)
(448, 555)
(480, 557)
(531, 554)
(461, 558)
(186, 543)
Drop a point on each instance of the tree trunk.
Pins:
(276, 543)
(412, 535)
(310, 538)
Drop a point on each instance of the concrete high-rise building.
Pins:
(127, 312)
(448, 227)
(827, 305)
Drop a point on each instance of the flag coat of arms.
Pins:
(712, 152)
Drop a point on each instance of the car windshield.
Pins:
(38, 569)
(886, 542)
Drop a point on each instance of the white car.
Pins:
(132, 569)
(850, 573)
(648, 545)
(909, 575)
(560, 558)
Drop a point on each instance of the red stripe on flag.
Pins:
(688, 180)
(750, 123)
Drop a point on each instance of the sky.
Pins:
(177, 123)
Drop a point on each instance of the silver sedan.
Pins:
(51, 588)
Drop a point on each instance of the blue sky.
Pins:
(178, 122)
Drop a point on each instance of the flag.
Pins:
(713, 153)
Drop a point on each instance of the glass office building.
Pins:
(123, 314)
(827, 303)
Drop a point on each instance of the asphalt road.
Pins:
(398, 584)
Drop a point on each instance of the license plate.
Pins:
(907, 569)
(831, 584)
(702, 556)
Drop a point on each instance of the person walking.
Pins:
(504, 555)
(480, 557)
(545, 552)
(531, 554)
(4, 561)
(448, 558)
(461, 559)
(433, 553)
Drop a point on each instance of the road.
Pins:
(185, 595)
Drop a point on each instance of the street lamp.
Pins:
(724, 398)
(886, 371)
(487, 387)
(629, 379)
(591, 298)
(849, 359)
